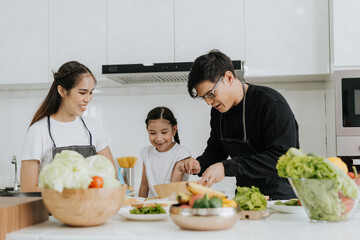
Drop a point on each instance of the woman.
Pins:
(57, 125)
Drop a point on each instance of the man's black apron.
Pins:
(84, 150)
(273, 186)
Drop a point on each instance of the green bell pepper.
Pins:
(215, 202)
(202, 202)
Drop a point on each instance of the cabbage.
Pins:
(101, 166)
(69, 169)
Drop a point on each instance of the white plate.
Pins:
(125, 212)
(287, 209)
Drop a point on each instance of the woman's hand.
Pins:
(213, 174)
(189, 166)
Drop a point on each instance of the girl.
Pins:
(57, 125)
(160, 157)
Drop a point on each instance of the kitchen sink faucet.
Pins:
(16, 184)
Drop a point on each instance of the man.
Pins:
(253, 125)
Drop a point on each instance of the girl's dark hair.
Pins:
(163, 113)
(67, 77)
(208, 67)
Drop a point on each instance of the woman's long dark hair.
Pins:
(67, 77)
(163, 113)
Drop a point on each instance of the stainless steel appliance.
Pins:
(155, 73)
(347, 111)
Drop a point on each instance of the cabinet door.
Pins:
(78, 31)
(202, 25)
(140, 31)
(286, 37)
(23, 41)
(346, 19)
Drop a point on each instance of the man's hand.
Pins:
(189, 166)
(213, 174)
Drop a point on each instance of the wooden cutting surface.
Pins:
(20, 212)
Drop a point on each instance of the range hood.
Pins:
(157, 73)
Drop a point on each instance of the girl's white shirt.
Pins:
(159, 165)
(38, 144)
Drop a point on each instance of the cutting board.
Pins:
(20, 212)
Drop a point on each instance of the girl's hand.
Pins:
(213, 174)
(189, 166)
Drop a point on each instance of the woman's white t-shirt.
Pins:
(159, 165)
(38, 144)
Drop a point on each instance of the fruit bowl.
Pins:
(204, 219)
(84, 207)
(322, 199)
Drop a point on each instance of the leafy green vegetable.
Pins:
(291, 202)
(158, 209)
(320, 185)
(250, 198)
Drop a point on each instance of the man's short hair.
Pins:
(208, 67)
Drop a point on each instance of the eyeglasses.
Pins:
(210, 94)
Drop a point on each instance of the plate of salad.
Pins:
(288, 206)
(147, 213)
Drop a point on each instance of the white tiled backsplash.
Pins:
(123, 118)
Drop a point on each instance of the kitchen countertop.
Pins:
(276, 226)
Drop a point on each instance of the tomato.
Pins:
(97, 182)
(357, 181)
(194, 197)
(352, 175)
(349, 203)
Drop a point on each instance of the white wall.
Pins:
(123, 118)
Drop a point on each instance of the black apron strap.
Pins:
(87, 130)
(245, 140)
(49, 129)
(48, 120)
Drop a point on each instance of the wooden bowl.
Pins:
(84, 207)
(165, 190)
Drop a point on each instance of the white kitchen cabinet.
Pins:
(346, 32)
(202, 25)
(140, 31)
(23, 41)
(286, 37)
(78, 31)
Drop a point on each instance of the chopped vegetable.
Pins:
(291, 202)
(157, 209)
(250, 198)
(318, 183)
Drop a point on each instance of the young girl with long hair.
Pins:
(160, 158)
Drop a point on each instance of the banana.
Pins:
(183, 198)
(195, 188)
